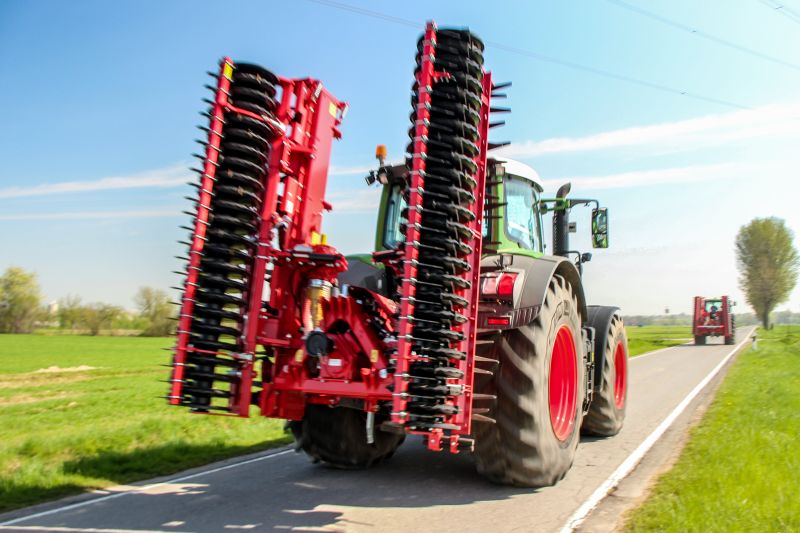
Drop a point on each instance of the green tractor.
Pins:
(548, 366)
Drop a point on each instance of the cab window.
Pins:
(522, 221)
(392, 235)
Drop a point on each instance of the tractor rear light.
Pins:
(505, 284)
(501, 285)
(498, 321)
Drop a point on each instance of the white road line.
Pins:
(83, 529)
(638, 454)
(142, 489)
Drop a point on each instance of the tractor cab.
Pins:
(512, 219)
(713, 310)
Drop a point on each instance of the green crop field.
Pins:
(83, 412)
(740, 468)
(648, 338)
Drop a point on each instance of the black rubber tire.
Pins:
(730, 340)
(338, 437)
(604, 419)
(699, 340)
(521, 448)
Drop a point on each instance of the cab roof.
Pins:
(521, 170)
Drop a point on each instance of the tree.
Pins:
(768, 264)
(99, 315)
(154, 305)
(70, 311)
(20, 301)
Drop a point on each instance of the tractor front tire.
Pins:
(607, 412)
(699, 340)
(337, 436)
(730, 340)
(539, 384)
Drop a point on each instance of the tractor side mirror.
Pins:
(600, 227)
(586, 257)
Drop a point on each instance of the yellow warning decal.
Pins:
(227, 71)
(332, 109)
(373, 356)
(298, 356)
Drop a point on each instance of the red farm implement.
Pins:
(417, 337)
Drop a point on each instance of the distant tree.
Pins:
(98, 316)
(20, 301)
(154, 306)
(768, 264)
(70, 311)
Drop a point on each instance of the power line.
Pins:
(539, 57)
(782, 9)
(704, 35)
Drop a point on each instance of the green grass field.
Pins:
(740, 468)
(648, 338)
(83, 412)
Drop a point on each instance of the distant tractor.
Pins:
(456, 327)
(713, 317)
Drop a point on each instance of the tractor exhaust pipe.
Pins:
(561, 222)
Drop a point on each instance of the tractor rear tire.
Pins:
(607, 412)
(522, 448)
(699, 340)
(730, 340)
(337, 436)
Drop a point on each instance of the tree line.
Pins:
(22, 310)
(767, 260)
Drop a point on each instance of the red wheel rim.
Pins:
(563, 384)
(621, 378)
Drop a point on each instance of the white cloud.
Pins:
(771, 120)
(651, 177)
(93, 215)
(171, 176)
(365, 200)
(333, 170)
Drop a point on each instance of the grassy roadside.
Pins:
(649, 338)
(739, 469)
(83, 412)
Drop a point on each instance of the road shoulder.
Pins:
(609, 515)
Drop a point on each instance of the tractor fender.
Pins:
(529, 295)
(600, 318)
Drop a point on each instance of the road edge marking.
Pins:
(143, 488)
(627, 466)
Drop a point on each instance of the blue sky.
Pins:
(101, 100)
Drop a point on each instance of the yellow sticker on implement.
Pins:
(298, 356)
(227, 71)
(373, 356)
(332, 108)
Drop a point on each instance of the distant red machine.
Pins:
(713, 317)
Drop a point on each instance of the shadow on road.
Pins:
(289, 492)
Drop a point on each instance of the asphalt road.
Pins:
(416, 491)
